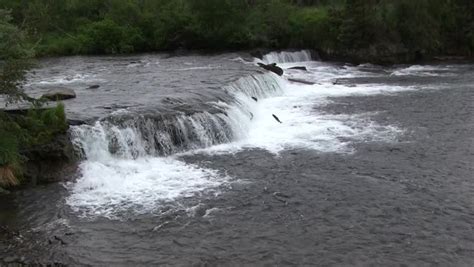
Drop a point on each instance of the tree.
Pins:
(14, 60)
(20, 132)
(357, 29)
(219, 23)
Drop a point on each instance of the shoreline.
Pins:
(355, 57)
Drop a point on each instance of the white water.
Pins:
(287, 57)
(123, 170)
(110, 186)
(304, 127)
(69, 79)
(420, 70)
(135, 178)
(130, 179)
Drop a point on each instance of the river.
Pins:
(185, 164)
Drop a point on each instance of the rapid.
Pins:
(183, 162)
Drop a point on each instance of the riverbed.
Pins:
(185, 164)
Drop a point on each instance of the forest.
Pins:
(340, 27)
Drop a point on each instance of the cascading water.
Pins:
(128, 134)
(287, 57)
(129, 156)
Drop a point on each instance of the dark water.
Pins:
(151, 81)
(407, 201)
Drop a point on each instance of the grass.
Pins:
(8, 177)
(21, 133)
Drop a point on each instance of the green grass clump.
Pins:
(22, 132)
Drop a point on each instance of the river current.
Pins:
(210, 160)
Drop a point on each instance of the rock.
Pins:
(255, 99)
(95, 86)
(61, 241)
(51, 162)
(273, 68)
(75, 122)
(300, 81)
(59, 94)
(298, 68)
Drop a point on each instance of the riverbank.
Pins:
(35, 147)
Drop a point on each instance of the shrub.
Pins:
(59, 45)
(313, 27)
(9, 160)
(19, 133)
(106, 36)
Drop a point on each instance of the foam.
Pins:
(67, 79)
(139, 186)
(419, 70)
(304, 127)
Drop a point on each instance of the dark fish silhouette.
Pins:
(276, 118)
(254, 98)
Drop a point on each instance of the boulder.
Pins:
(298, 68)
(51, 162)
(273, 68)
(95, 86)
(76, 122)
(59, 94)
(300, 81)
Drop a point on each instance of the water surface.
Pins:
(370, 166)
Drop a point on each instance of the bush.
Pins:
(124, 26)
(59, 45)
(10, 160)
(313, 27)
(106, 36)
(218, 24)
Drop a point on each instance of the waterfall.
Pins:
(131, 135)
(130, 165)
(287, 57)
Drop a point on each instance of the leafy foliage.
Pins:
(124, 26)
(106, 36)
(14, 61)
(18, 132)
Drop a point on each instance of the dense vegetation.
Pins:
(21, 131)
(64, 27)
